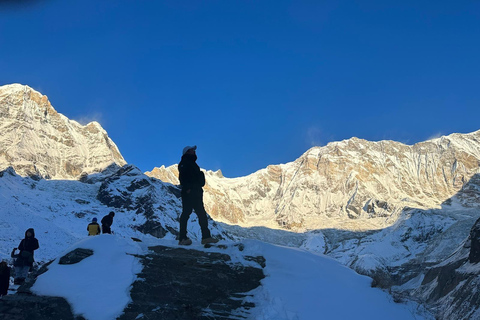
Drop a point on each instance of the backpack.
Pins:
(27, 257)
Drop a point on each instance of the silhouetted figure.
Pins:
(107, 222)
(24, 260)
(192, 181)
(4, 278)
(93, 228)
(21, 269)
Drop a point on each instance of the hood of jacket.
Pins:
(32, 231)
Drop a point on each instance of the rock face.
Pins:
(188, 284)
(451, 288)
(75, 256)
(474, 255)
(128, 189)
(354, 184)
(38, 141)
(24, 305)
(27, 307)
(427, 255)
(175, 283)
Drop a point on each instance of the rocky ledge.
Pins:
(175, 283)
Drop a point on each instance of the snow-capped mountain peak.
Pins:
(37, 140)
(354, 184)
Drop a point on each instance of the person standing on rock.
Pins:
(93, 228)
(24, 260)
(192, 181)
(107, 222)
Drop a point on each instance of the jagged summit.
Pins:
(37, 140)
(354, 183)
(16, 87)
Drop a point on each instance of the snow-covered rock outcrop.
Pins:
(37, 140)
(60, 210)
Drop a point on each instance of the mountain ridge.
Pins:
(363, 184)
(388, 210)
(36, 140)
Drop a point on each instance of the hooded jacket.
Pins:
(189, 174)
(107, 220)
(28, 246)
(93, 229)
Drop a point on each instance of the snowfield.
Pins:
(96, 287)
(299, 285)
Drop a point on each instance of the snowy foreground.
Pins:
(299, 285)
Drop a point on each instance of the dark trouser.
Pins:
(193, 201)
(106, 229)
(21, 272)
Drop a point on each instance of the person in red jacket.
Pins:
(192, 181)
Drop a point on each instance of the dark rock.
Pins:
(177, 283)
(30, 281)
(26, 306)
(83, 177)
(259, 259)
(99, 176)
(121, 198)
(382, 204)
(84, 213)
(173, 231)
(446, 277)
(81, 201)
(153, 228)
(447, 202)
(31, 307)
(353, 212)
(75, 256)
(138, 184)
(381, 278)
(451, 293)
(241, 247)
(129, 189)
(474, 256)
(175, 190)
(10, 171)
(105, 196)
(37, 177)
(144, 205)
(80, 215)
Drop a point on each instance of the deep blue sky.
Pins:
(252, 83)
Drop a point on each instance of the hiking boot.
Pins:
(209, 240)
(185, 242)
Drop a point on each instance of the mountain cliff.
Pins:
(36, 140)
(354, 184)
